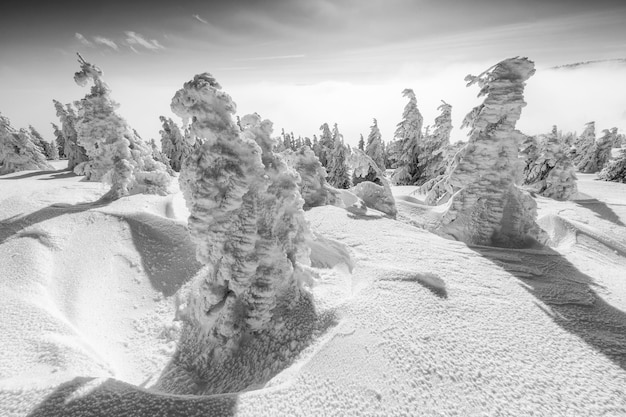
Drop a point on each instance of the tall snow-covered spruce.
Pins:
(485, 205)
(247, 223)
(409, 136)
(117, 155)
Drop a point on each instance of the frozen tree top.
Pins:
(90, 72)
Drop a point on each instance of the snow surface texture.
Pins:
(116, 154)
(247, 223)
(375, 193)
(313, 185)
(421, 326)
(550, 172)
(17, 150)
(485, 206)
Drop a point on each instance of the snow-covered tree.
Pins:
(60, 141)
(176, 145)
(325, 146)
(485, 205)
(37, 139)
(117, 155)
(583, 147)
(74, 152)
(361, 143)
(247, 223)
(593, 157)
(409, 136)
(313, 186)
(18, 151)
(615, 169)
(338, 175)
(374, 148)
(550, 173)
(432, 161)
(375, 191)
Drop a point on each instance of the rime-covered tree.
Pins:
(583, 146)
(117, 155)
(550, 173)
(175, 144)
(372, 186)
(409, 137)
(593, 158)
(432, 161)
(338, 175)
(307, 142)
(37, 139)
(18, 151)
(374, 148)
(60, 141)
(74, 152)
(615, 169)
(361, 145)
(247, 223)
(313, 186)
(485, 205)
(326, 145)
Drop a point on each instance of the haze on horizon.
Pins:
(303, 63)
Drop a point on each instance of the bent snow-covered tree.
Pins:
(409, 136)
(18, 151)
(74, 152)
(117, 155)
(247, 223)
(550, 173)
(584, 146)
(485, 205)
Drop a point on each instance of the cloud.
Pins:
(199, 19)
(270, 58)
(82, 39)
(104, 41)
(133, 38)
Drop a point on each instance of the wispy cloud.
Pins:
(104, 41)
(271, 58)
(82, 39)
(199, 19)
(133, 38)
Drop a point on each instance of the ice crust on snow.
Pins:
(484, 204)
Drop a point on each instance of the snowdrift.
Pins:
(405, 323)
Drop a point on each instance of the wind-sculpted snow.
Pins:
(247, 222)
(551, 173)
(375, 193)
(18, 152)
(117, 155)
(485, 205)
(313, 185)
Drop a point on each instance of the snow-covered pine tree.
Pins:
(18, 151)
(374, 148)
(361, 143)
(594, 157)
(60, 141)
(583, 148)
(307, 142)
(37, 139)
(485, 205)
(175, 144)
(247, 223)
(325, 146)
(338, 175)
(74, 152)
(409, 136)
(550, 173)
(432, 161)
(117, 155)
(615, 169)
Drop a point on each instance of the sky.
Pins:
(305, 63)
